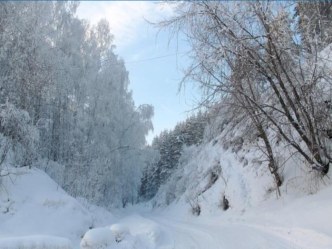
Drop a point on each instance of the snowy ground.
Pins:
(35, 217)
(37, 213)
(283, 224)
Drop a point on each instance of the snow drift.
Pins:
(37, 213)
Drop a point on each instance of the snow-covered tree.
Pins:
(168, 147)
(63, 73)
(249, 55)
(314, 23)
(19, 138)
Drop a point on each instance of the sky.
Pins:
(155, 63)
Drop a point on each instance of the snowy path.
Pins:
(227, 234)
(230, 235)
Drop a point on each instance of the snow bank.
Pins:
(32, 203)
(114, 237)
(98, 238)
(132, 232)
(35, 242)
(119, 231)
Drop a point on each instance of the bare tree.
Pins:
(250, 51)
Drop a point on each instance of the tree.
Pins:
(314, 23)
(63, 73)
(248, 52)
(18, 136)
(168, 148)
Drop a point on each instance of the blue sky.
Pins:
(153, 80)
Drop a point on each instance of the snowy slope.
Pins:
(34, 209)
(231, 164)
(242, 178)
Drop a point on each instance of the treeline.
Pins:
(266, 66)
(166, 150)
(65, 100)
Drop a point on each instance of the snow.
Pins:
(101, 238)
(32, 204)
(37, 214)
(35, 242)
(119, 231)
(301, 223)
(133, 231)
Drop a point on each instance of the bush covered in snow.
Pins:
(117, 236)
(98, 238)
(120, 232)
(18, 137)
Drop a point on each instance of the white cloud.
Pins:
(126, 18)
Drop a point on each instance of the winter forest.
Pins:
(253, 155)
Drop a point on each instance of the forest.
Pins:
(65, 98)
(65, 101)
(261, 130)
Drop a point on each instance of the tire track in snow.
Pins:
(187, 237)
(234, 235)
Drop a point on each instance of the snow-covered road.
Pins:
(167, 233)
